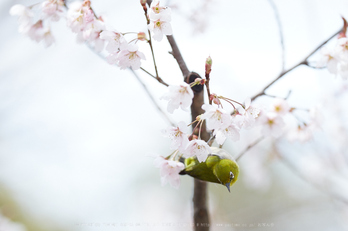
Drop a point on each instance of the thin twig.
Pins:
(153, 56)
(280, 30)
(249, 147)
(160, 80)
(303, 62)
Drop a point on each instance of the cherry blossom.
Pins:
(300, 133)
(198, 148)
(160, 18)
(216, 117)
(272, 124)
(231, 131)
(39, 32)
(178, 135)
(157, 11)
(25, 16)
(249, 114)
(280, 107)
(130, 57)
(92, 34)
(116, 41)
(52, 9)
(169, 171)
(160, 28)
(330, 60)
(178, 96)
(79, 16)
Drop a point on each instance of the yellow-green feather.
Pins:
(216, 168)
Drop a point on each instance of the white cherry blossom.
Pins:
(216, 117)
(160, 18)
(169, 171)
(178, 96)
(249, 114)
(272, 124)
(178, 135)
(330, 60)
(156, 11)
(198, 148)
(25, 16)
(231, 131)
(116, 41)
(160, 28)
(130, 57)
(280, 107)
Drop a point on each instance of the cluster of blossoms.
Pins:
(91, 29)
(33, 25)
(223, 125)
(159, 20)
(336, 58)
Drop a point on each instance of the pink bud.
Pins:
(141, 36)
(208, 63)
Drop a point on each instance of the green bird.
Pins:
(219, 168)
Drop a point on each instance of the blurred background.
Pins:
(78, 136)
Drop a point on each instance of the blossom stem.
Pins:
(160, 80)
(153, 55)
(227, 99)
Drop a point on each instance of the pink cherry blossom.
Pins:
(178, 135)
(130, 57)
(216, 117)
(39, 32)
(169, 171)
(52, 9)
(79, 16)
(178, 96)
(198, 148)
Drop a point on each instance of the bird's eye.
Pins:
(231, 176)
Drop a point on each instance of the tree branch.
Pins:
(177, 55)
(303, 62)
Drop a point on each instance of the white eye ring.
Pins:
(231, 175)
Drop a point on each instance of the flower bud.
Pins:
(208, 63)
(141, 36)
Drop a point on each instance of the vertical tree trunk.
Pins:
(200, 207)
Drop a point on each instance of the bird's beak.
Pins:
(228, 186)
